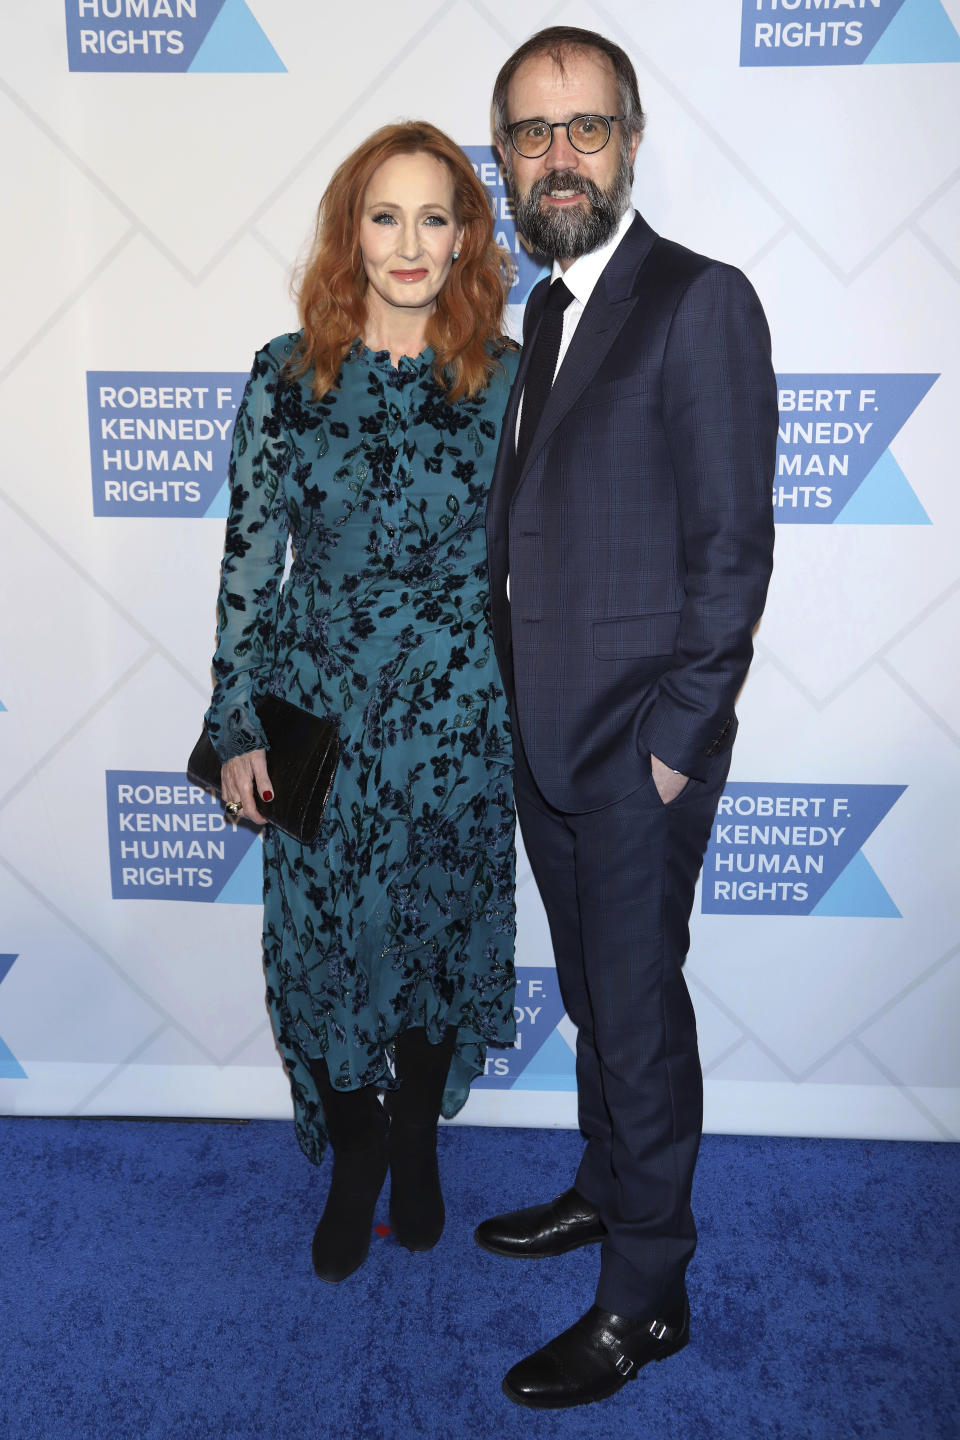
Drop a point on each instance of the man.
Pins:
(630, 536)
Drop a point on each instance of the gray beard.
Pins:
(568, 234)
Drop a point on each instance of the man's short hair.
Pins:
(557, 42)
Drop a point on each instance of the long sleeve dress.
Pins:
(402, 914)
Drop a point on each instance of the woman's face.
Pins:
(408, 232)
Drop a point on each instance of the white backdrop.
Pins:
(161, 175)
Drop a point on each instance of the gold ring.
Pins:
(233, 809)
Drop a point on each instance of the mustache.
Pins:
(563, 180)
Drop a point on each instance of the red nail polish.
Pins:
(268, 794)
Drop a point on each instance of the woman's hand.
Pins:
(238, 778)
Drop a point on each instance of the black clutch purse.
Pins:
(302, 755)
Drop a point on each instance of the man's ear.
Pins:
(634, 146)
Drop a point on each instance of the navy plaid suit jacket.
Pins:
(638, 536)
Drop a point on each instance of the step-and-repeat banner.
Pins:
(163, 160)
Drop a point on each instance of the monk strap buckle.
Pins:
(625, 1366)
(658, 1328)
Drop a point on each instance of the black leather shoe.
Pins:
(593, 1359)
(565, 1224)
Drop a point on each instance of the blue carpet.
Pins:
(156, 1285)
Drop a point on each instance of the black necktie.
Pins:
(543, 363)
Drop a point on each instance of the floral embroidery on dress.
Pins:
(403, 913)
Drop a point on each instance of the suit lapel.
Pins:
(613, 301)
(505, 472)
(531, 324)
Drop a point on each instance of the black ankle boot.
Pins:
(357, 1127)
(417, 1213)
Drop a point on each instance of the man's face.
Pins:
(568, 203)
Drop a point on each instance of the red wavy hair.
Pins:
(332, 285)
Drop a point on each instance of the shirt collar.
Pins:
(582, 276)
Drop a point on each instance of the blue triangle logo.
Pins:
(553, 1067)
(2, 706)
(245, 886)
(10, 1068)
(857, 891)
(220, 504)
(920, 32)
(884, 497)
(236, 45)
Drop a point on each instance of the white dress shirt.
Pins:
(580, 279)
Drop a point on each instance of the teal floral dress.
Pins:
(402, 913)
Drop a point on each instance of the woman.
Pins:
(369, 438)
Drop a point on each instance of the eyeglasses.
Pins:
(586, 133)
